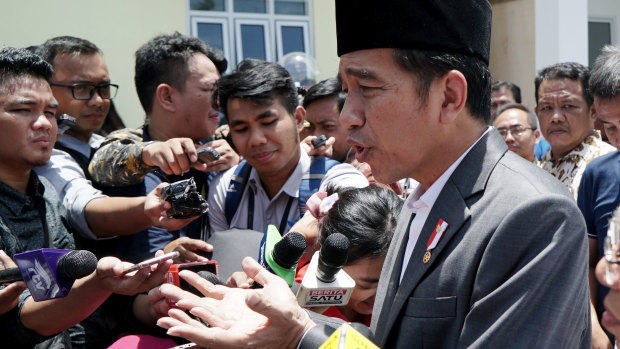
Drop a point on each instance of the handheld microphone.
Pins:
(280, 255)
(325, 283)
(50, 273)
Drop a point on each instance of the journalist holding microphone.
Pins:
(31, 217)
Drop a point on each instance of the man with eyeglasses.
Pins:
(81, 84)
(518, 127)
(563, 103)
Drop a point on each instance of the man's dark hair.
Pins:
(429, 65)
(569, 70)
(327, 88)
(531, 117)
(260, 82)
(65, 45)
(514, 89)
(19, 63)
(605, 77)
(367, 216)
(164, 60)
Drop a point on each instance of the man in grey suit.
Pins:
(490, 251)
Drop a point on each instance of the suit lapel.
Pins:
(468, 179)
(388, 286)
(452, 209)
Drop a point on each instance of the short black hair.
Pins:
(514, 89)
(568, 70)
(65, 45)
(532, 119)
(260, 82)
(19, 63)
(428, 65)
(367, 216)
(164, 60)
(323, 89)
(605, 77)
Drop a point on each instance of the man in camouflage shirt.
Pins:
(175, 80)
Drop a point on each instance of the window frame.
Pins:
(230, 28)
(215, 20)
(282, 23)
(266, 35)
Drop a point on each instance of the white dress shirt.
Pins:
(421, 202)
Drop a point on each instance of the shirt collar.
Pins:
(76, 144)
(593, 138)
(425, 199)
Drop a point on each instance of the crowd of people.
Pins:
(473, 221)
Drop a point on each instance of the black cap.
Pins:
(450, 26)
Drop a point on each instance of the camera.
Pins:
(207, 155)
(64, 122)
(318, 141)
(185, 200)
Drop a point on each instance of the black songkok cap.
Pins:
(450, 26)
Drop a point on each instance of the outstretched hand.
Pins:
(155, 209)
(110, 274)
(326, 149)
(261, 318)
(188, 248)
(228, 157)
(173, 156)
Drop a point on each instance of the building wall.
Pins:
(512, 55)
(324, 24)
(118, 27)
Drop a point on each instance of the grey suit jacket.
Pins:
(509, 272)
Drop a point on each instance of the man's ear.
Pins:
(593, 112)
(454, 87)
(164, 96)
(300, 117)
(537, 135)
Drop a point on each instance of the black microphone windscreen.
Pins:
(209, 276)
(335, 248)
(205, 274)
(289, 250)
(10, 275)
(76, 264)
(332, 257)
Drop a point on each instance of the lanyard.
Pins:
(251, 212)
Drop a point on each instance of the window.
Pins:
(600, 33)
(264, 29)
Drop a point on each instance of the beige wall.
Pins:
(118, 27)
(324, 23)
(512, 46)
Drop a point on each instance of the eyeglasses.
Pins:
(85, 91)
(515, 130)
